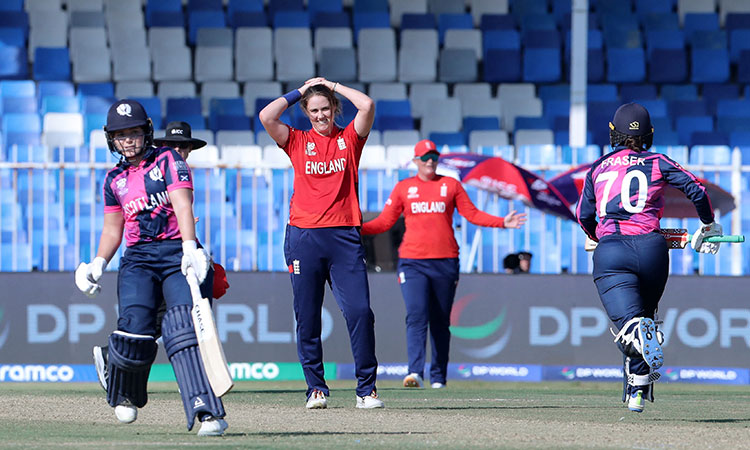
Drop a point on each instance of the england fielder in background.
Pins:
(322, 242)
(148, 197)
(620, 207)
(428, 256)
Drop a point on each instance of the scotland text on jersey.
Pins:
(142, 203)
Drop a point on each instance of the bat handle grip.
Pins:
(726, 238)
(192, 279)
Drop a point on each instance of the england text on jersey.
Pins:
(321, 168)
(141, 203)
(427, 207)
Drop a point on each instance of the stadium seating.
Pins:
(488, 76)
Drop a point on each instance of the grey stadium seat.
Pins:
(377, 55)
(213, 64)
(457, 66)
(174, 64)
(338, 64)
(217, 89)
(421, 93)
(387, 91)
(254, 54)
(336, 37)
(125, 89)
(131, 63)
(441, 115)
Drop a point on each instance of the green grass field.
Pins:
(466, 414)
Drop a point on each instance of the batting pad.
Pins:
(181, 345)
(129, 363)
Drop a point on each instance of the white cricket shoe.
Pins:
(126, 412)
(437, 385)
(211, 426)
(317, 400)
(413, 380)
(100, 363)
(636, 402)
(370, 401)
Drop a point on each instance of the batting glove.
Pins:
(87, 276)
(698, 244)
(195, 257)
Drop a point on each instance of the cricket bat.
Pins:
(679, 238)
(212, 353)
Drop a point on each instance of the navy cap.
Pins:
(126, 114)
(632, 119)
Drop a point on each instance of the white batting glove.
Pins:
(712, 229)
(87, 276)
(195, 257)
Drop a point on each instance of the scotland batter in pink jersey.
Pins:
(142, 195)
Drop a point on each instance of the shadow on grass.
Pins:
(327, 433)
(706, 420)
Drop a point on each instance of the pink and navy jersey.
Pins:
(141, 194)
(325, 177)
(624, 190)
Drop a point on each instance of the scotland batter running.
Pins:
(148, 198)
(620, 207)
(428, 256)
(179, 137)
(322, 238)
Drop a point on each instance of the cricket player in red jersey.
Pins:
(322, 242)
(428, 256)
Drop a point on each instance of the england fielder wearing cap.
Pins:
(428, 256)
(148, 198)
(323, 242)
(620, 207)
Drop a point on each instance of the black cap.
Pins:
(632, 119)
(179, 132)
(126, 114)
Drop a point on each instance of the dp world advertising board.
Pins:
(505, 328)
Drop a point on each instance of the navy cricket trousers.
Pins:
(149, 274)
(335, 255)
(630, 273)
(428, 287)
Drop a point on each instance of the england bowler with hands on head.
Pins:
(322, 242)
(619, 210)
(428, 257)
(148, 197)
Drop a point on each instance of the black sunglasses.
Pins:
(429, 156)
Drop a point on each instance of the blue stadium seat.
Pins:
(291, 19)
(660, 21)
(538, 22)
(502, 65)
(709, 66)
(452, 139)
(197, 5)
(626, 65)
(284, 5)
(541, 39)
(420, 21)
(248, 19)
(371, 6)
(497, 22)
(105, 89)
(166, 13)
(13, 63)
(733, 108)
(453, 21)
(331, 19)
(737, 21)
(687, 125)
(315, 6)
(695, 107)
(679, 91)
(650, 6)
(664, 39)
(152, 105)
(602, 93)
(185, 105)
(228, 114)
(700, 22)
(54, 103)
(472, 123)
(554, 92)
(393, 115)
(541, 65)
(19, 105)
(204, 19)
(708, 39)
(739, 40)
(713, 92)
(632, 92)
(15, 19)
(12, 37)
(708, 138)
(743, 67)
(369, 20)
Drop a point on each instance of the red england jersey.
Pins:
(325, 177)
(428, 215)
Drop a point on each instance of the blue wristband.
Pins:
(292, 96)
